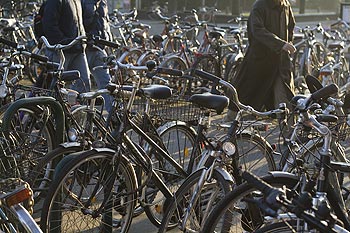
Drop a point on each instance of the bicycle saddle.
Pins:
(336, 45)
(210, 101)
(156, 91)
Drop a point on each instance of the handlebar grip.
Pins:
(8, 42)
(39, 57)
(174, 72)
(206, 75)
(107, 43)
(258, 183)
(325, 92)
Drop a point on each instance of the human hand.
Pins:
(289, 48)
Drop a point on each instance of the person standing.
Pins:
(264, 78)
(62, 23)
(95, 19)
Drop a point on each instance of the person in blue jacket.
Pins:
(96, 24)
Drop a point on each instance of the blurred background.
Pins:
(231, 7)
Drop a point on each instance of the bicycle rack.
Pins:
(48, 101)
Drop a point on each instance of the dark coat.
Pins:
(63, 21)
(265, 61)
(95, 15)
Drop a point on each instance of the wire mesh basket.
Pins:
(171, 109)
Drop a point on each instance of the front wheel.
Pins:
(210, 194)
(234, 214)
(179, 141)
(92, 192)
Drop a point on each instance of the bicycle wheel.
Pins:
(179, 141)
(316, 59)
(295, 226)
(234, 214)
(94, 191)
(41, 177)
(174, 62)
(207, 63)
(299, 69)
(34, 135)
(231, 69)
(255, 154)
(211, 193)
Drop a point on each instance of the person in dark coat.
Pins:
(265, 79)
(96, 23)
(62, 23)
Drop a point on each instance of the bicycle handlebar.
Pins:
(275, 198)
(233, 93)
(21, 50)
(61, 46)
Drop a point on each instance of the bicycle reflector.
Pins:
(17, 196)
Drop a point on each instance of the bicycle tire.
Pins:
(290, 226)
(231, 69)
(255, 154)
(174, 62)
(179, 142)
(207, 63)
(33, 137)
(317, 59)
(221, 187)
(232, 204)
(42, 175)
(90, 166)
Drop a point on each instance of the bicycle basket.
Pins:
(171, 109)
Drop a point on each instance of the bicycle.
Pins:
(323, 183)
(218, 168)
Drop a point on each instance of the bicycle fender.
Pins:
(70, 144)
(225, 174)
(170, 124)
(235, 58)
(280, 174)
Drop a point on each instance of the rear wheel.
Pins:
(94, 191)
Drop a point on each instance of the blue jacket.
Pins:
(63, 21)
(95, 15)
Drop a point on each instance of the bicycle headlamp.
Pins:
(229, 148)
(72, 135)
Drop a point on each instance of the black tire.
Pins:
(211, 193)
(222, 218)
(207, 63)
(33, 136)
(255, 154)
(42, 175)
(317, 59)
(179, 142)
(68, 205)
(174, 62)
(178, 85)
(231, 69)
(289, 226)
